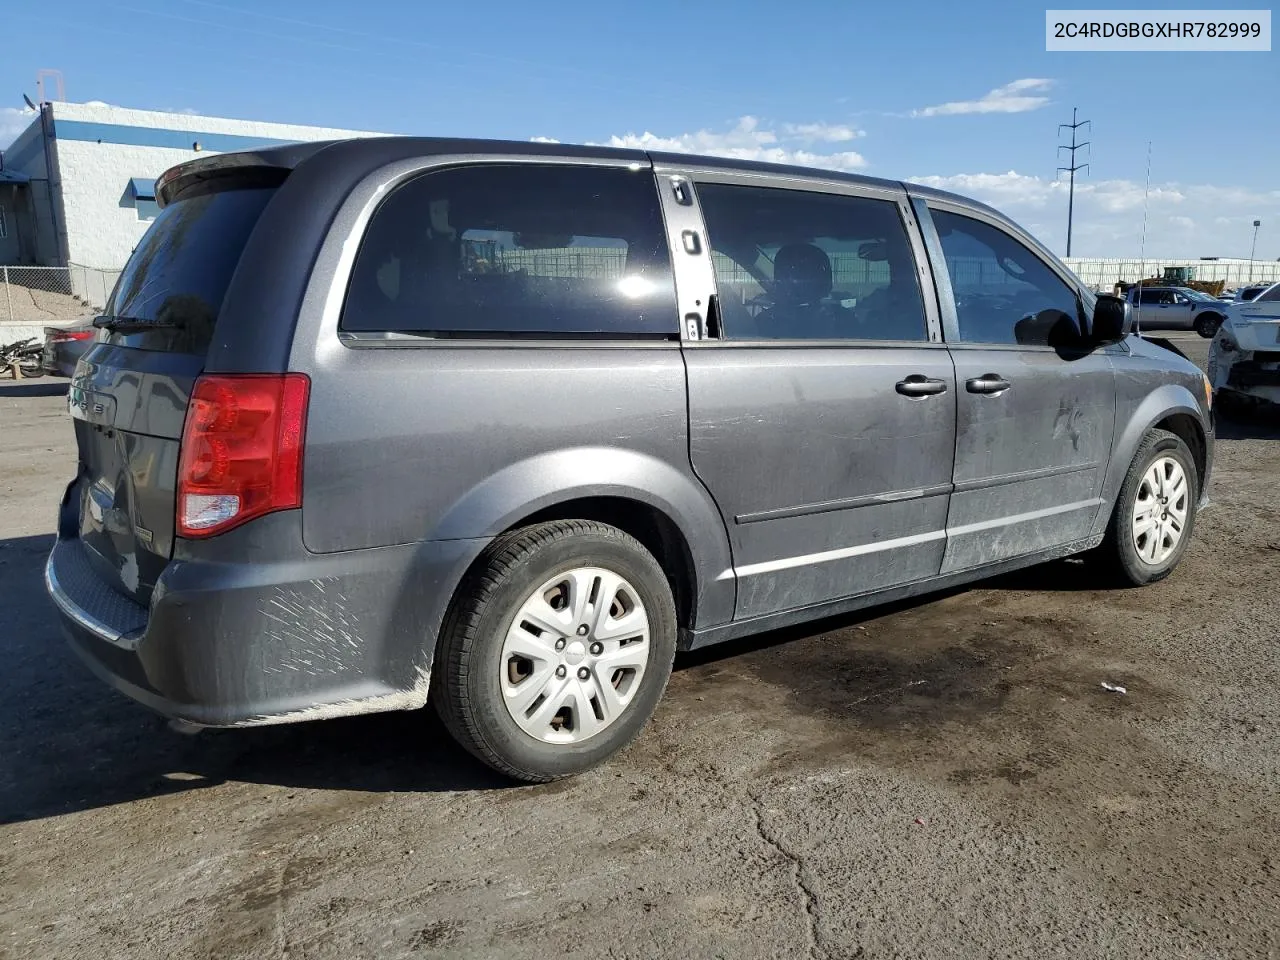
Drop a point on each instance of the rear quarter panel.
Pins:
(445, 442)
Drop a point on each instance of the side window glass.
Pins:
(1271, 295)
(496, 250)
(798, 265)
(1004, 292)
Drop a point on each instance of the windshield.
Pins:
(1196, 295)
(1270, 295)
(171, 290)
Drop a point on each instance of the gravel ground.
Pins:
(945, 778)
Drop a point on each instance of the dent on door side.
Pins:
(1030, 463)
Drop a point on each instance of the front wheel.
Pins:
(1156, 510)
(557, 649)
(1208, 324)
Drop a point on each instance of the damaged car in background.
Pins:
(1244, 358)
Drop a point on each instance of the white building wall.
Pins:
(102, 226)
(101, 222)
(196, 123)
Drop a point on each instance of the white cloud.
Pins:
(13, 120)
(543, 140)
(1017, 97)
(749, 140)
(824, 132)
(1183, 220)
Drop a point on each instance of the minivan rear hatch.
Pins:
(129, 395)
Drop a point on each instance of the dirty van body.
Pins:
(502, 426)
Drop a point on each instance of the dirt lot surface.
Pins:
(31, 305)
(945, 778)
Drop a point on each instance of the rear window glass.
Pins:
(180, 271)
(516, 250)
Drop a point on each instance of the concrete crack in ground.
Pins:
(282, 940)
(807, 897)
(885, 693)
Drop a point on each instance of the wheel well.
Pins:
(653, 528)
(1186, 427)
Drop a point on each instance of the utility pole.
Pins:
(1253, 249)
(1073, 126)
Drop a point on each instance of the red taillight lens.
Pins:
(64, 336)
(241, 450)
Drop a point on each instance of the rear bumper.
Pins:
(59, 360)
(284, 637)
(1250, 373)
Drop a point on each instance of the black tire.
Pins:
(1119, 547)
(1207, 325)
(465, 688)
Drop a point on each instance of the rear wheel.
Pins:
(557, 649)
(1156, 510)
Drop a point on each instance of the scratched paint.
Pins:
(314, 622)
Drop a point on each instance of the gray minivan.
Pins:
(504, 426)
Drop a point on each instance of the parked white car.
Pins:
(1244, 358)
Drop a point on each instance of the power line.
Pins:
(1073, 126)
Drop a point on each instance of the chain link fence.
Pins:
(91, 285)
(52, 295)
(1104, 273)
(32, 298)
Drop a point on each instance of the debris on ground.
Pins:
(1113, 687)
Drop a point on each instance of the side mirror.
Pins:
(1112, 319)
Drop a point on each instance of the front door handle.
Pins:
(918, 386)
(987, 383)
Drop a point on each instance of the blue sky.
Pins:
(960, 95)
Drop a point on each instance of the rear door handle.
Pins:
(918, 386)
(987, 383)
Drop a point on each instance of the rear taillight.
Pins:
(65, 336)
(241, 450)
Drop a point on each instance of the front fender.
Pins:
(529, 486)
(1164, 401)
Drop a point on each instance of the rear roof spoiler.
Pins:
(266, 168)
